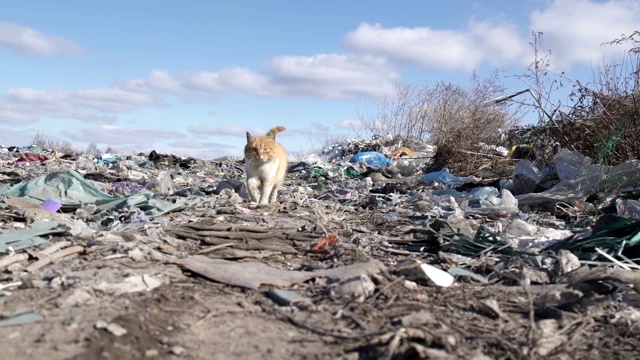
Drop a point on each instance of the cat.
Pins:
(265, 166)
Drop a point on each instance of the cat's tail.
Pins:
(272, 133)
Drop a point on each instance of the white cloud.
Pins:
(319, 127)
(29, 41)
(225, 130)
(350, 124)
(118, 137)
(158, 80)
(500, 44)
(206, 153)
(25, 105)
(204, 149)
(110, 100)
(196, 144)
(162, 80)
(16, 137)
(333, 76)
(12, 114)
(316, 133)
(421, 46)
(443, 49)
(228, 81)
(30, 112)
(575, 29)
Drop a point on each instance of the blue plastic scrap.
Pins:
(21, 319)
(447, 178)
(371, 158)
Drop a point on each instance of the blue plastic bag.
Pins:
(371, 158)
(445, 177)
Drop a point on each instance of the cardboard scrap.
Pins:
(253, 274)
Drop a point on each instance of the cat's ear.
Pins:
(249, 137)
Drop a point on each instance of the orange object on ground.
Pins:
(402, 151)
(326, 244)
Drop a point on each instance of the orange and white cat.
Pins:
(265, 165)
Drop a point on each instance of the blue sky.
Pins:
(190, 77)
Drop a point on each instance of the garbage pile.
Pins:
(369, 253)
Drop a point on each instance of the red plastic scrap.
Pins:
(325, 244)
(30, 157)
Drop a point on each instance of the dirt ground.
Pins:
(192, 317)
(129, 293)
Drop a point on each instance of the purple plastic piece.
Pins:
(51, 205)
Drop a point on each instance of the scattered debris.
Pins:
(439, 277)
(19, 318)
(113, 328)
(369, 249)
(253, 274)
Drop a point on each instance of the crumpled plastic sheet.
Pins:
(21, 239)
(30, 157)
(507, 205)
(66, 186)
(150, 203)
(371, 158)
(572, 164)
(621, 176)
(70, 189)
(628, 208)
(126, 187)
(338, 194)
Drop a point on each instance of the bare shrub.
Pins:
(542, 84)
(41, 141)
(443, 113)
(600, 120)
(399, 115)
(449, 116)
(604, 122)
(47, 143)
(92, 150)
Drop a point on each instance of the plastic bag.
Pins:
(526, 177)
(506, 206)
(570, 164)
(447, 178)
(482, 193)
(610, 179)
(371, 158)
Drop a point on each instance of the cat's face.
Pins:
(260, 147)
